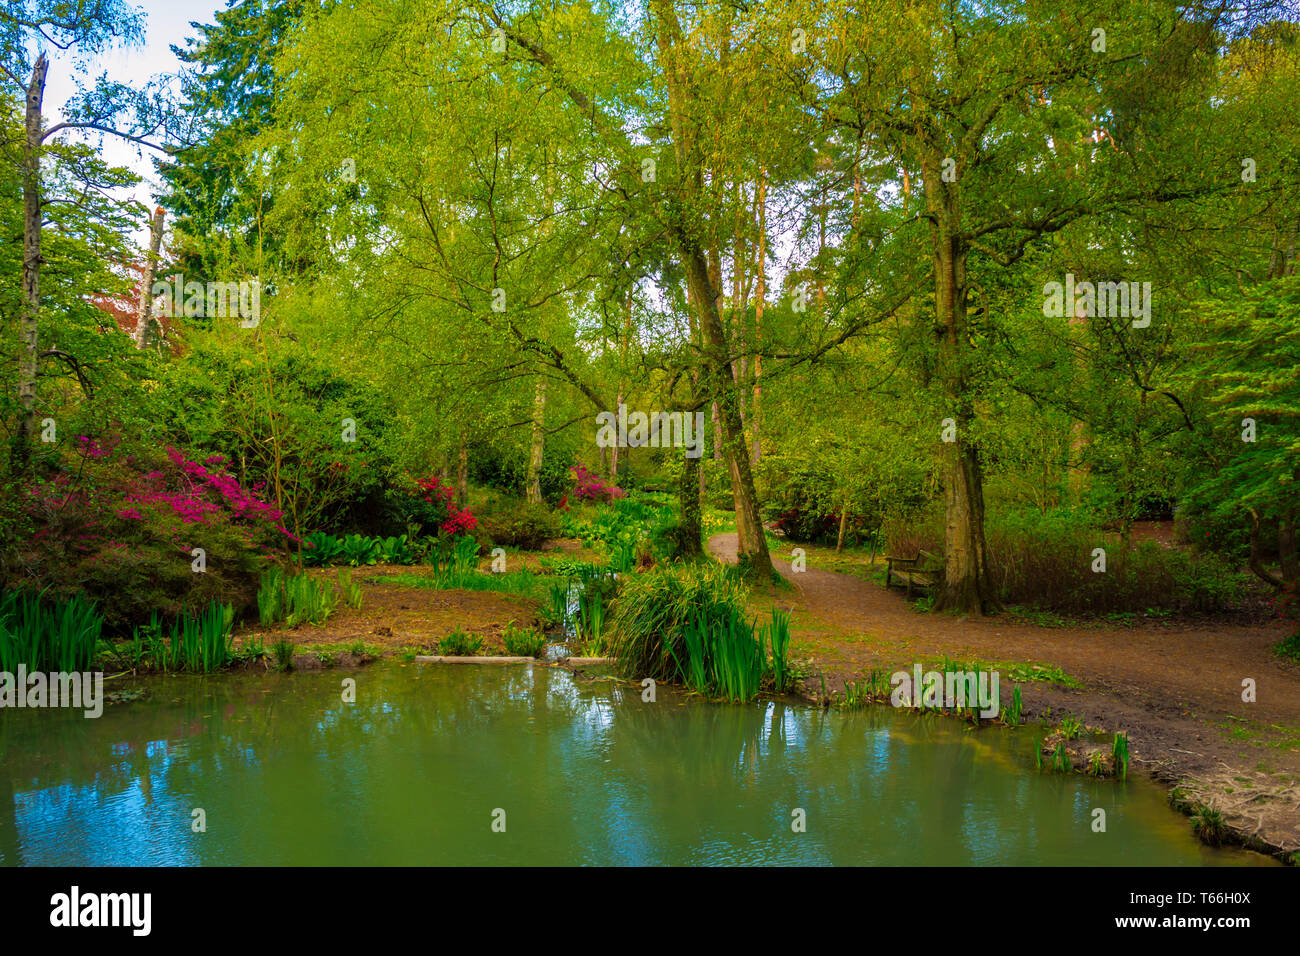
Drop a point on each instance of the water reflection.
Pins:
(586, 772)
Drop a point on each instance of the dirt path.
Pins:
(1175, 689)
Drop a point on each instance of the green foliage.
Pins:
(522, 642)
(1208, 825)
(653, 610)
(282, 650)
(201, 643)
(459, 644)
(687, 623)
(120, 524)
(721, 658)
(518, 524)
(1119, 755)
(295, 599)
(1071, 726)
(1011, 715)
(321, 550)
(351, 589)
(43, 633)
(623, 527)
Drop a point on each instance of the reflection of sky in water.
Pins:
(587, 772)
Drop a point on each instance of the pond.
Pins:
(430, 758)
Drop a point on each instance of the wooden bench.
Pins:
(925, 570)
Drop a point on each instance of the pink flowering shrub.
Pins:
(122, 528)
(589, 487)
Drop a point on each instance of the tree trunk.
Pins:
(760, 292)
(690, 535)
(966, 586)
(29, 314)
(627, 336)
(462, 471)
(749, 524)
(704, 295)
(844, 521)
(1286, 549)
(538, 448)
(144, 308)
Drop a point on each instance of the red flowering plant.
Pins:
(125, 529)
(441, 509)
(589, 486)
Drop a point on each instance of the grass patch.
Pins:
(523, 583)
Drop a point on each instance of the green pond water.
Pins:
(286, 772)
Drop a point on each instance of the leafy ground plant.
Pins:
(522, 642)
(460, 644)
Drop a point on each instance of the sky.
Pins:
(167, 23)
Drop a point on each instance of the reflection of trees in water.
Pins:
(427, 752)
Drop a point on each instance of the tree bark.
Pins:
(760, 292)
(29, 315)
(966, 586)
(704, 295)
(144, 308)
(844, 522)
(462, 471)
(690, 535)
(538, 448)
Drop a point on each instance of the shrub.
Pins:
(621, 528)
(590, 487)
(522, 525)
(121, 527)
(427, 506)
(807, 524)
(1046, 561)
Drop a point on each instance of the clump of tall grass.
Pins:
(687, 623)
(47, 634)
(648, 621)
(874, 688)
(722, 659)
(1209, 825)
(282, 651)
(295, 599)
(351, 589)
(460, 644)
(1119, 755)
(522, 641)
(196, 643)
(1011, 715)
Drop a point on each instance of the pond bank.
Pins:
(1176, 691)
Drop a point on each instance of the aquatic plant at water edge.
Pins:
(43, 633)
(459, 644)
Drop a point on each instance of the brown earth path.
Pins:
(1176, 689)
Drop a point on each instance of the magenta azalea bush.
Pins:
(123, 527)
(590, 487)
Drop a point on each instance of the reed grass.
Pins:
(44, 633)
